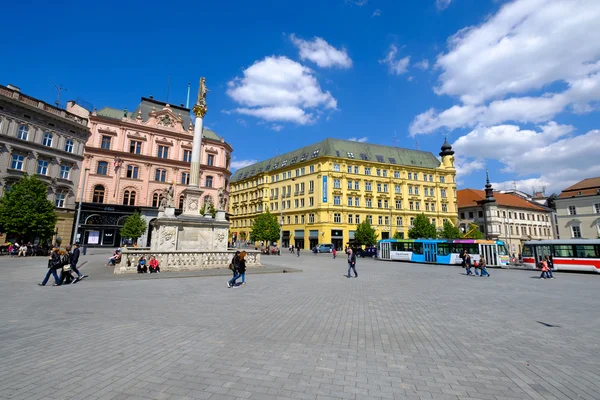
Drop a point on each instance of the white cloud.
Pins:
(423, 64)
(498, 68)
(242, 122)
(322, 53)
(276, 127)
(442, 4)
(376, 13)
(280, 89)
(237, 164)
(359, 3)
(360, 140)
(396, 67)
(464, 167)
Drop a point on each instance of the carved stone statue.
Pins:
(167, 198)
(222, 199)
(202, 91)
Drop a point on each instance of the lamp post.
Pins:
(85, 172)
(281, 228)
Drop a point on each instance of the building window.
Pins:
(47, 140)
(349, 185)
(337, 184)
(155, 200)
(311, 218)
(349, 201)
(444, 207)
(410, 175)
(42, 168)
(399, 221)
(185, 178)
(411, 205)
(398, 204)
(480, 214)
(357, 202)
(102, 168)
(367, 171)
(69, 146)
(210, 160)
(60, 200)
(357, 219)
(349, 169)
(336, 167)
(311, 201)
(442, 179)
(597, 208)
(98, 196)
(418, 205)
(65, 171)
(379, 203)
(135, 147)
(432, 206)
(163, 152)
(443, 192)
(385, 173)
(369, 202)
(379, 187)
(160, 175)
(397, 174)
(105, 145)
(23, 132)
(572, 210)
(311, 186)
(356, 185)
(187, 155)
(350, 219)
(576, 231)
(311, 169)
(209, 181)
(410, 190)
(380, 220)
(417, 190)
(397, 189)
(129, 198)
(181, 199)
(378, 172)
(132, 171)
(368, 186)
(370, 219)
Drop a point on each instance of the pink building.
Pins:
(133, 157)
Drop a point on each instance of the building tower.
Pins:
(490, 210)
(447, 155)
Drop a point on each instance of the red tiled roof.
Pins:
(587, 187)
(470, 197)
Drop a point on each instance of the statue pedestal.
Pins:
(192, 201)
(220, 216)
(166, 228)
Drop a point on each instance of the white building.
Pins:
(578, 210)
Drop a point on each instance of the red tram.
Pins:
(567, 255)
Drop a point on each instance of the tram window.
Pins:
(443, 249)
(563, 250)
(527, 251)
(585, 251)
(502, 250)
(417, 248)
(397, 246)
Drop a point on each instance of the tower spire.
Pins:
(489, 191)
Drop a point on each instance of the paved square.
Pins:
(399, 331)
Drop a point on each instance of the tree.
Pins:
(422, 228)
(265, 228)
(399, 235)
(449, 231)
(134, 227)
(365, 234)
(25, 210)
(211, 209)
(473, 232)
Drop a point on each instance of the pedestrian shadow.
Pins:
(548, 325)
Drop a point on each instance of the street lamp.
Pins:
(281, 228)
(85, 172)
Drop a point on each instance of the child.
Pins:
(334, 251)
(476, 266)
(482, 266)
(154, 268)
(544, 266)
(142, 268)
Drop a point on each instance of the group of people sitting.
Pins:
(152, 266)
(115, 258)
(476, 265)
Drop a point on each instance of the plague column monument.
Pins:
(192, 232)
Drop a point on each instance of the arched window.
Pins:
(129, 198)
(181, 198)
(47, 139)
(155, 200)
(102, 168)
(23, 132)
(98, 194)
(209, 181)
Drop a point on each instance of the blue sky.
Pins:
(514, 84)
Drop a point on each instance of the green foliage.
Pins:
(265, 227)
(398, 235)
(211, 209)
(449, 231)
(134, 226)
(473, 232)
(422, 228)
(25, 210)
(365, 235)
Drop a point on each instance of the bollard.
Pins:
(84, 250)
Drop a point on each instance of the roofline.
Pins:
(165, 104)
(564, 241)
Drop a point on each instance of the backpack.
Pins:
(232, 264)
(65, 259)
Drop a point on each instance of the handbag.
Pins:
(66, 268)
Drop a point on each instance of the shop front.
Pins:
(285, 239)
(337, 238)
(299, 238)
(313, 238)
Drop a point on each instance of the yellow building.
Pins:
(322, 191)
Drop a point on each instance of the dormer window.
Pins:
(315, 153)
(350, 154)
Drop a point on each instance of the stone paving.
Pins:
(399, 331)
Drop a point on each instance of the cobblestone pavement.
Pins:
(399, 331)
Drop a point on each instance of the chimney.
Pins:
(13, 87)
(151, 97)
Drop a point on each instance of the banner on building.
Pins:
(324, 189)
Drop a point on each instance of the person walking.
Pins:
(544, 267)
(240, 266)
(550, 264)
(334, 251)
(351, 263)
(74, 261)
(482, 266)
(468, 263)
(298, 250)
(54, 263)
(66, 276)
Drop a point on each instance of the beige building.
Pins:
(504, 216)
(39, 139)
(578, 210)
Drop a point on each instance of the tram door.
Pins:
(430, 250)
(384, 250)
(540, 251)
(490, 252)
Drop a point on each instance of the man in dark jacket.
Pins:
(351, 263)
(75, 260)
